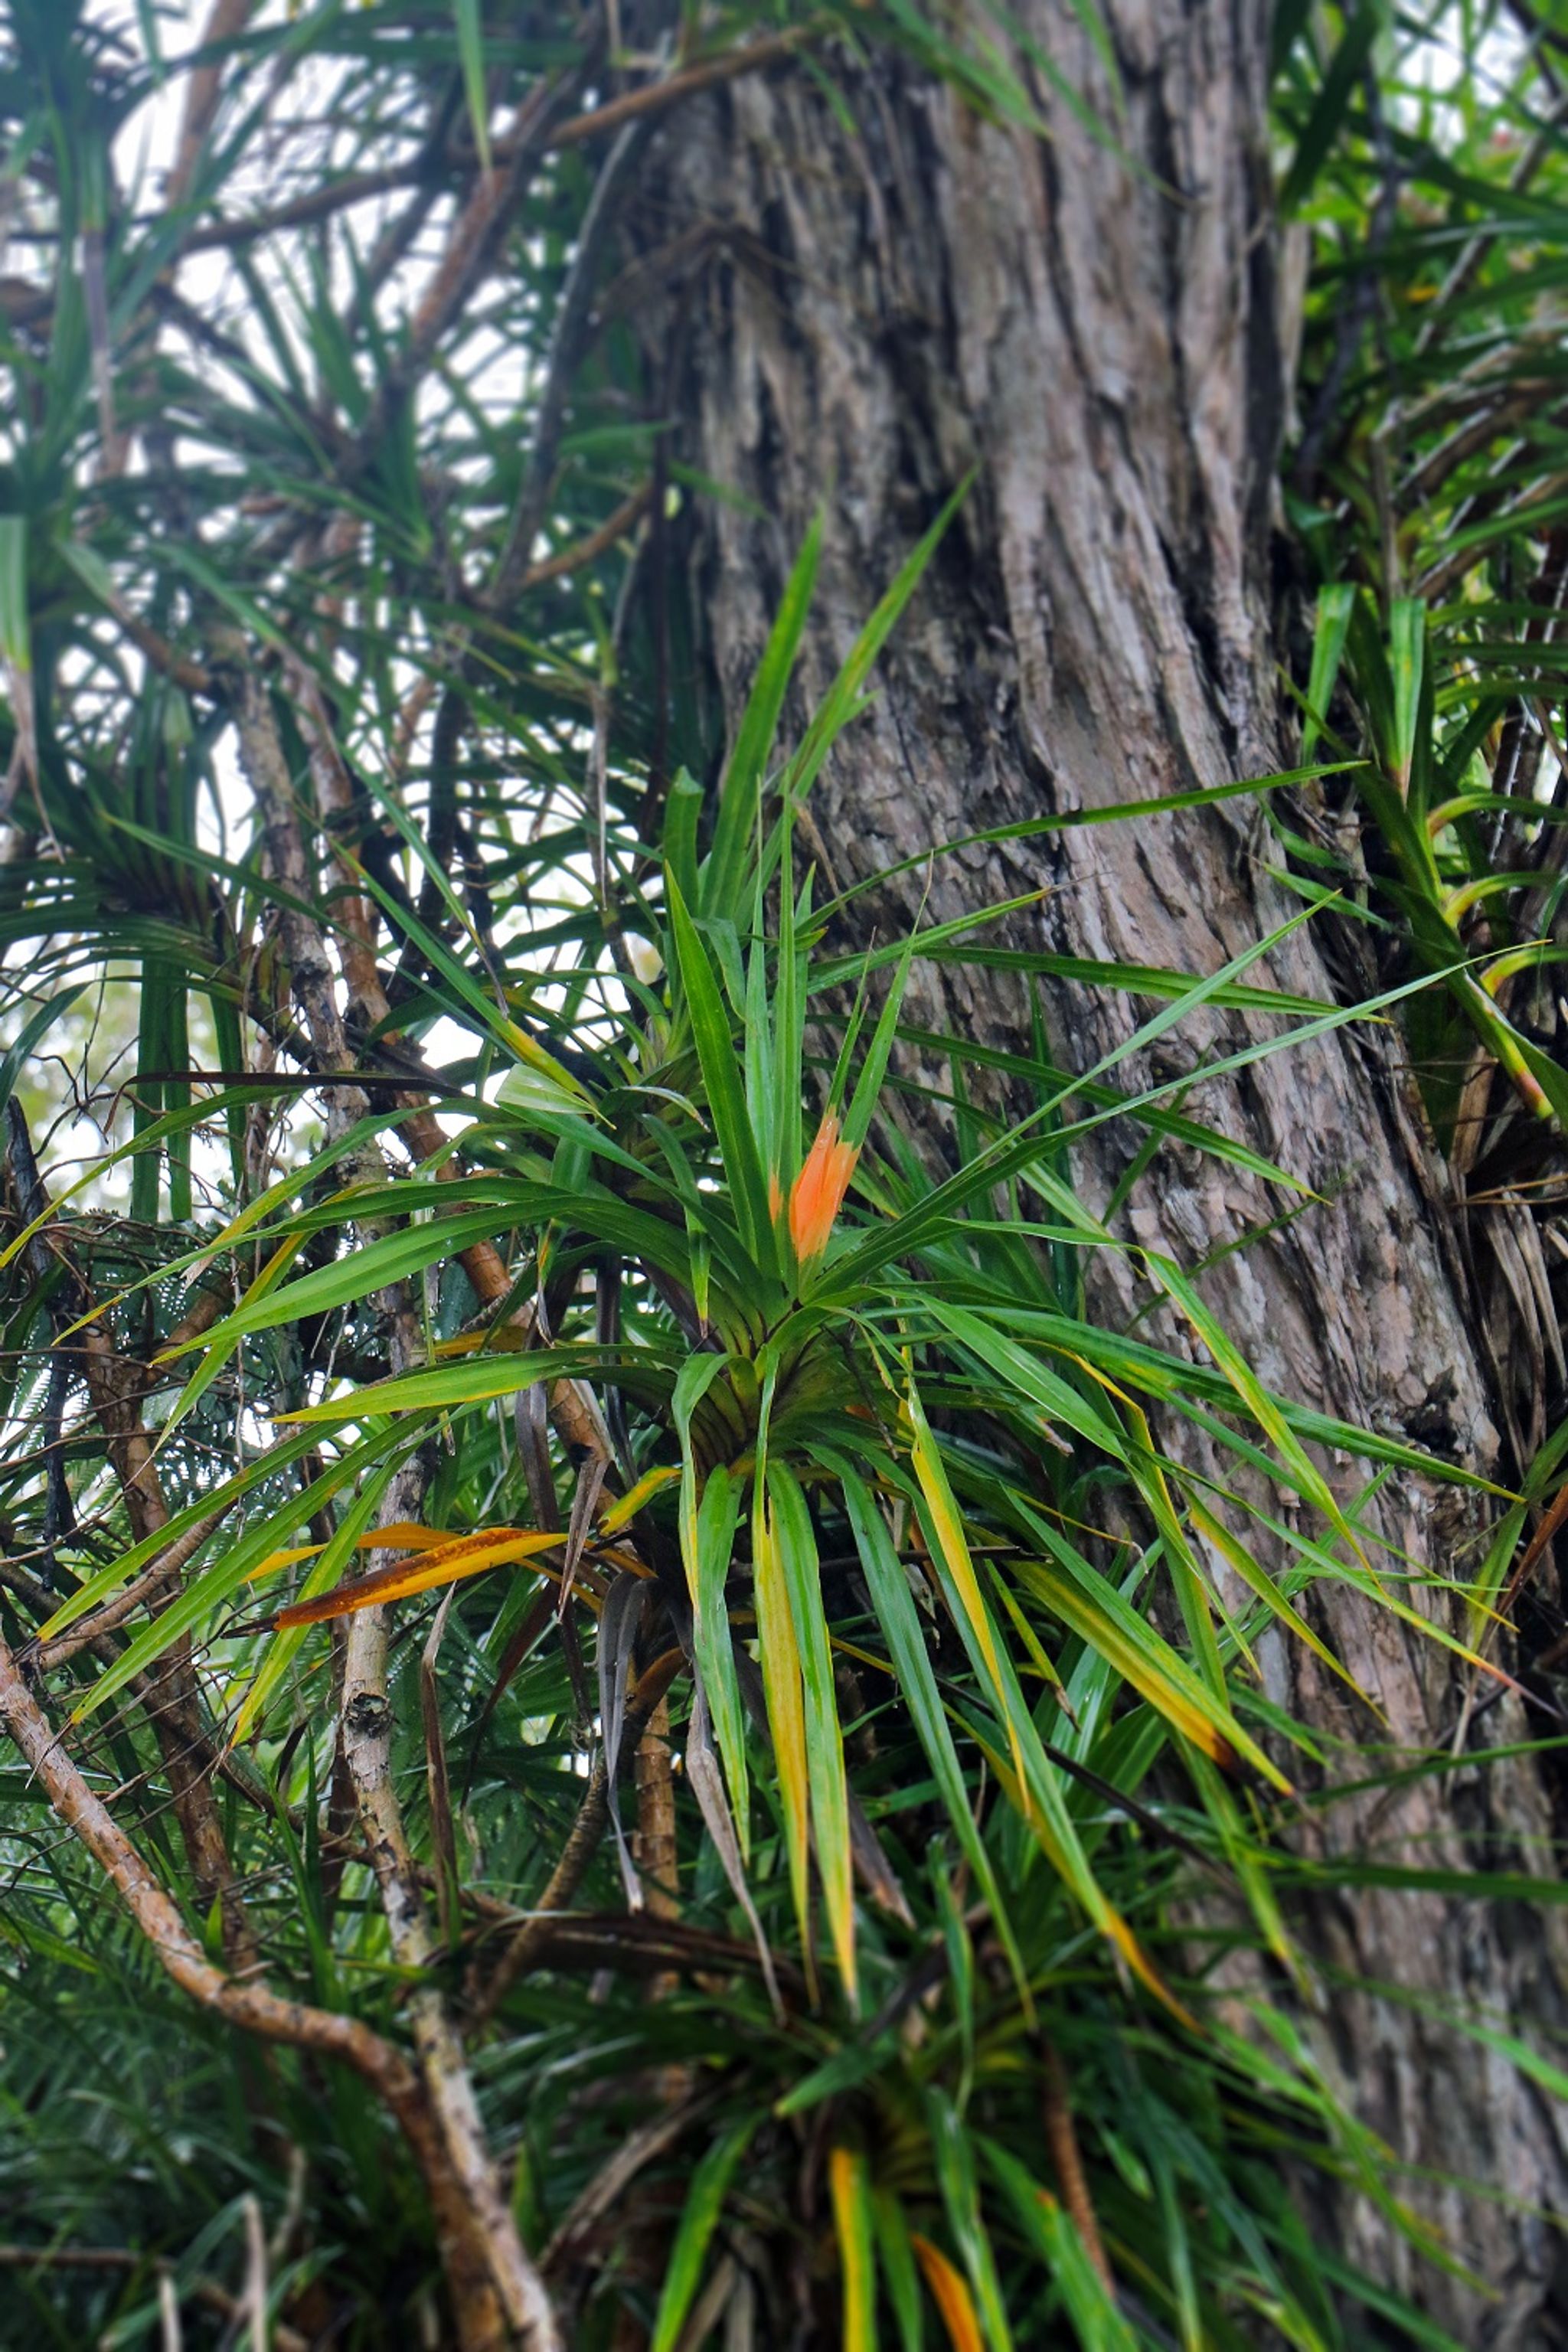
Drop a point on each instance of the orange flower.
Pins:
(818, 1191)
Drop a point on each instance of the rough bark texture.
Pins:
(873, 316)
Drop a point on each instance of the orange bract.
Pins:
(818, 1191)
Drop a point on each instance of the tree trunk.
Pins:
(867, 317)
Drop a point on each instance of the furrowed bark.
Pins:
(876, 315)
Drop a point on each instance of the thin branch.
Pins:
(573, 326)
(1061, 2136)
(608, 2185)
(227, 21)
(654, 100)
(527, 1948)
(153, 1699)
(486, 2265)
(630, 1943)
(256, 2274)
(494, 2285)
(595, 543)
(573, 329)
(1472, 260)
(116, 1386)
(1357, 309)
(204, 2291)
(253, 2005)
(249, 2004)
(470, 253)
(304, 940)
(177, 667)
(155, 1578)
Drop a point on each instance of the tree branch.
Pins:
(498, 2294)
(493, 2282)
(527, 1948)
(256, 2009)
(655, 98)
(248, 2004)
(159, 1573)
(115, 1386)
(573, 326)
(204, 2291)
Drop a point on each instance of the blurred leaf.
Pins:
(850, 2187)
(699, 2219)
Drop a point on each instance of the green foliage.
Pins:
(1430, 171)
(962, 1656)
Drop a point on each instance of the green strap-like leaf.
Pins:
(715, 1043)
(797, 1552)
(899, 1622)
(699, 2220)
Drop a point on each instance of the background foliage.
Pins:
(447, 1125)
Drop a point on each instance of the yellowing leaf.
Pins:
(1303, 1472)
(403, 1535)
(797, 1555)
(1036, 1778)
(652, 1481)
(288, 1557)
(1257, 1579)
(949, 1531)
(544, 1068)
(950, 2295)
(447, 1564)
(786, 1711)
(850, 2191)
(1066, 1857)
(407, 1535)
(463, 1343)
(280, 1652)
(1143, 1658)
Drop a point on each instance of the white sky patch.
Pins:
(313, 130)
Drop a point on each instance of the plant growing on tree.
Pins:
(632, 1716)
